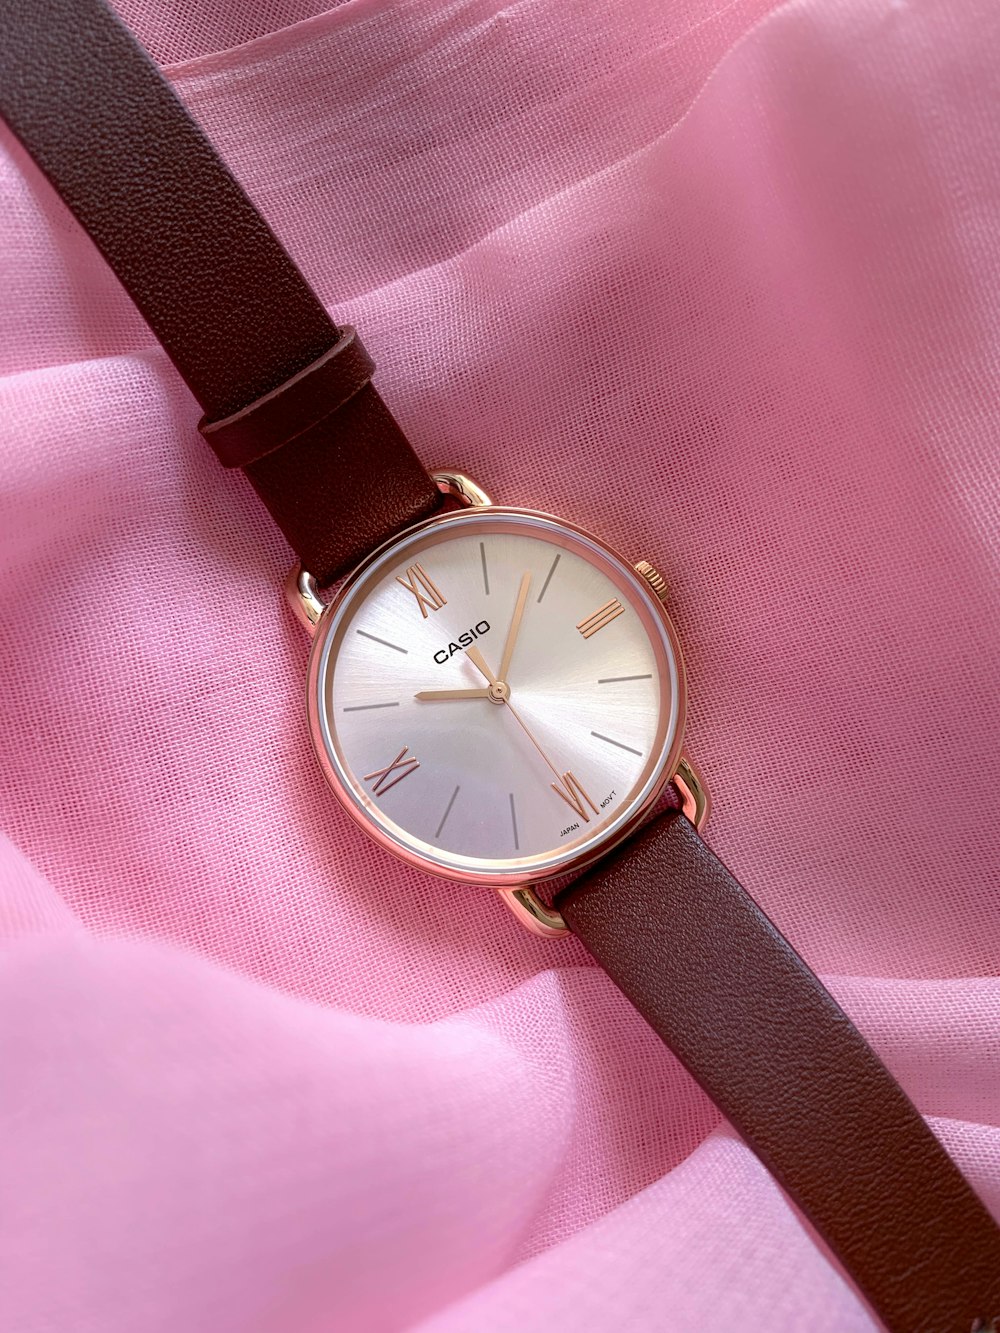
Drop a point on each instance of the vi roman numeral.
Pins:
(572, 792)
(400, 768)
(420, 583)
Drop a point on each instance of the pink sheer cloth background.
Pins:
(720, 281)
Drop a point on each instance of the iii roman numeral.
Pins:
(601, 617)
(570, 789)
(401, 766)
(419, 582)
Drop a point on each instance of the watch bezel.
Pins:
(358, 807)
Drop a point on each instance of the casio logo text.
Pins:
(464, 640)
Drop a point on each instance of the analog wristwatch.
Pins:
(497, 697)
(494, 695)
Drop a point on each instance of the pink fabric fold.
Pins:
(717, 281)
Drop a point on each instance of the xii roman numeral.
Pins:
(400, 766)
(419, 582)
(601, 617)
(572, 792)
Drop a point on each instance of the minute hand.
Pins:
(515, 625)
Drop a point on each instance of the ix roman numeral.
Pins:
(418, 582)
(401, 766)
(601, 617)
(570, 789)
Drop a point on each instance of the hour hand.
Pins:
(427, 695)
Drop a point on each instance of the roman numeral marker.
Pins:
(570, 789)
(601, 617)
(401, 766)
(419, 582)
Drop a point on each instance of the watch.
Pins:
(494, 694)
(497, 697)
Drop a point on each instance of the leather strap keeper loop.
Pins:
(344, 485)
(270, 421)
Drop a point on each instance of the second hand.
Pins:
(476, 657)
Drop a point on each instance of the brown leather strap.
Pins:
(771, 1047)
(232, 311)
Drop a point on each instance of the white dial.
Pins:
(496, 696)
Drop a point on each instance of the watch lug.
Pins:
(533, 914)
(696, 803)
(302, 593)
(461, 488)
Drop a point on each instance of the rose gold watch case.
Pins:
(325, 620)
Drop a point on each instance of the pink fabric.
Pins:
(718, 280)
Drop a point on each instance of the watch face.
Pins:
(496, 696)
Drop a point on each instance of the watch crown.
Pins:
(653, 577)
